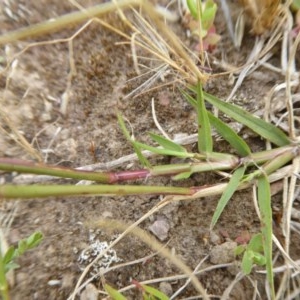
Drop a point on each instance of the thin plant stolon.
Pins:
(270, 165)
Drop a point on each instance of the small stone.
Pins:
(107, 214)
(222, 254)
(166, 288)
(68, 280)
(160, 229)
(89, 293)
(54, 282)
(214, 238)
(68, 148)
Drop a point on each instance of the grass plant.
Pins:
(8, 259)
(245, 168)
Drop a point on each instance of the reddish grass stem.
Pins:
(22, 166)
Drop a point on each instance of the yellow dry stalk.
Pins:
(155, 245)
(184, 64)
(164, 46)
(263, 14)
(17, 136)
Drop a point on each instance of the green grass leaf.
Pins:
(155, 293)
(143, 160)
(229, 135)
(264, 201)
(114, 294)
(183, 175)
(167, 144)
(123, 127)
(189, 98)
(261, 127)
(164, 151)
(223, 129)
(205, 144)
(229, 191)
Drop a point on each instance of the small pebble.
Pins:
(222, 254)
(160, 229)
(107, 214)
(68, 148)
(54, 282)
(166, 288)
(89, 293)
(214, 238)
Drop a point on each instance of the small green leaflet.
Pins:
(24, 245)
(229, 191)
(192, 6)
(256, 243)
(247, 262)
(167, 144)
(208, 14)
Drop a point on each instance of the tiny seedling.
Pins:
(252, 253)
(7, 261)
(202, 22)
(208, 11)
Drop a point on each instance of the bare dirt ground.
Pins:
(32, 93)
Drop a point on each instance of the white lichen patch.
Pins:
(95, 248)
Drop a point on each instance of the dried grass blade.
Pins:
(63, 21)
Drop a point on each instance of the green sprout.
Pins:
(252, 253)
(7, 260)
(202, 25)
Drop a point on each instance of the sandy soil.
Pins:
(88, 133)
